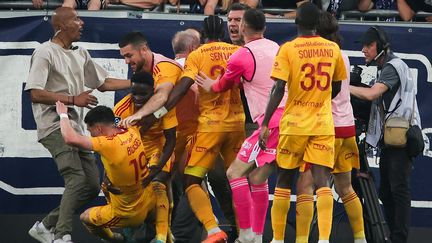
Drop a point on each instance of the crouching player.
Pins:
(159, 142)
(125, 167)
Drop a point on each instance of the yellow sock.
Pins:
(304, 215)
(325, 212)
(279, 212)
(201, 206)
(162, 210)
(354, 210)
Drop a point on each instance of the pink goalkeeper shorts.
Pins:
(250, 150)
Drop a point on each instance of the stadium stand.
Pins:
(371, 15)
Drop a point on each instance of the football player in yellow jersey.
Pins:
(125, 165)
(159, 143)
(346, 153)
(220, 123)
(137, 53)
(312, 68)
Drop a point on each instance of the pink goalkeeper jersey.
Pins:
(251, 66)
(341, 107)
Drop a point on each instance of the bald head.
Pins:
(61, 15)
(67, 25)
(185, 42)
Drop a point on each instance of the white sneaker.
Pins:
(40, 233)
(258, 238)
(65, 239)
(277, 241)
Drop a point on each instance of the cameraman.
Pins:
(392, 95)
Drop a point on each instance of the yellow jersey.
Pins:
(125, 108)
(125, 165)
(308, 64)
(165, 70)
(219, 112)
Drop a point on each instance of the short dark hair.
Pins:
(100, 114)
(307, 16)
(238, 6)
(376, 33)
(134, 38)
(328, 27)
(213, 27)
(255, 19)
(143, 78)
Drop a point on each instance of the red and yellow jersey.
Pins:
(219, 112)
(125, 165)
(308, 65)
(165, 70)
(125, 108)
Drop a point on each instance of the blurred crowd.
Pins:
(407, 9)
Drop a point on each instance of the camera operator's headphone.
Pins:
(382, 43)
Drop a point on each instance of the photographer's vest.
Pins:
(400, 106)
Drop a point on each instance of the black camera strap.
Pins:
(388, 113)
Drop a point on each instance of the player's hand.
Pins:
(86, 99)
(146, 123)
(130, 121)
(37, 3)
(154, 171)
(61, 108)
(264, 134)
(204, 81)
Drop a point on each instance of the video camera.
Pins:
(361, 108)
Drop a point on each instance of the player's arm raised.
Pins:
(70, 136)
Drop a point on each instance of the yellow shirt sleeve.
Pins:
(123, 108)
(281, 65)
(166, 72)
(340, 71)
(96, 143)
